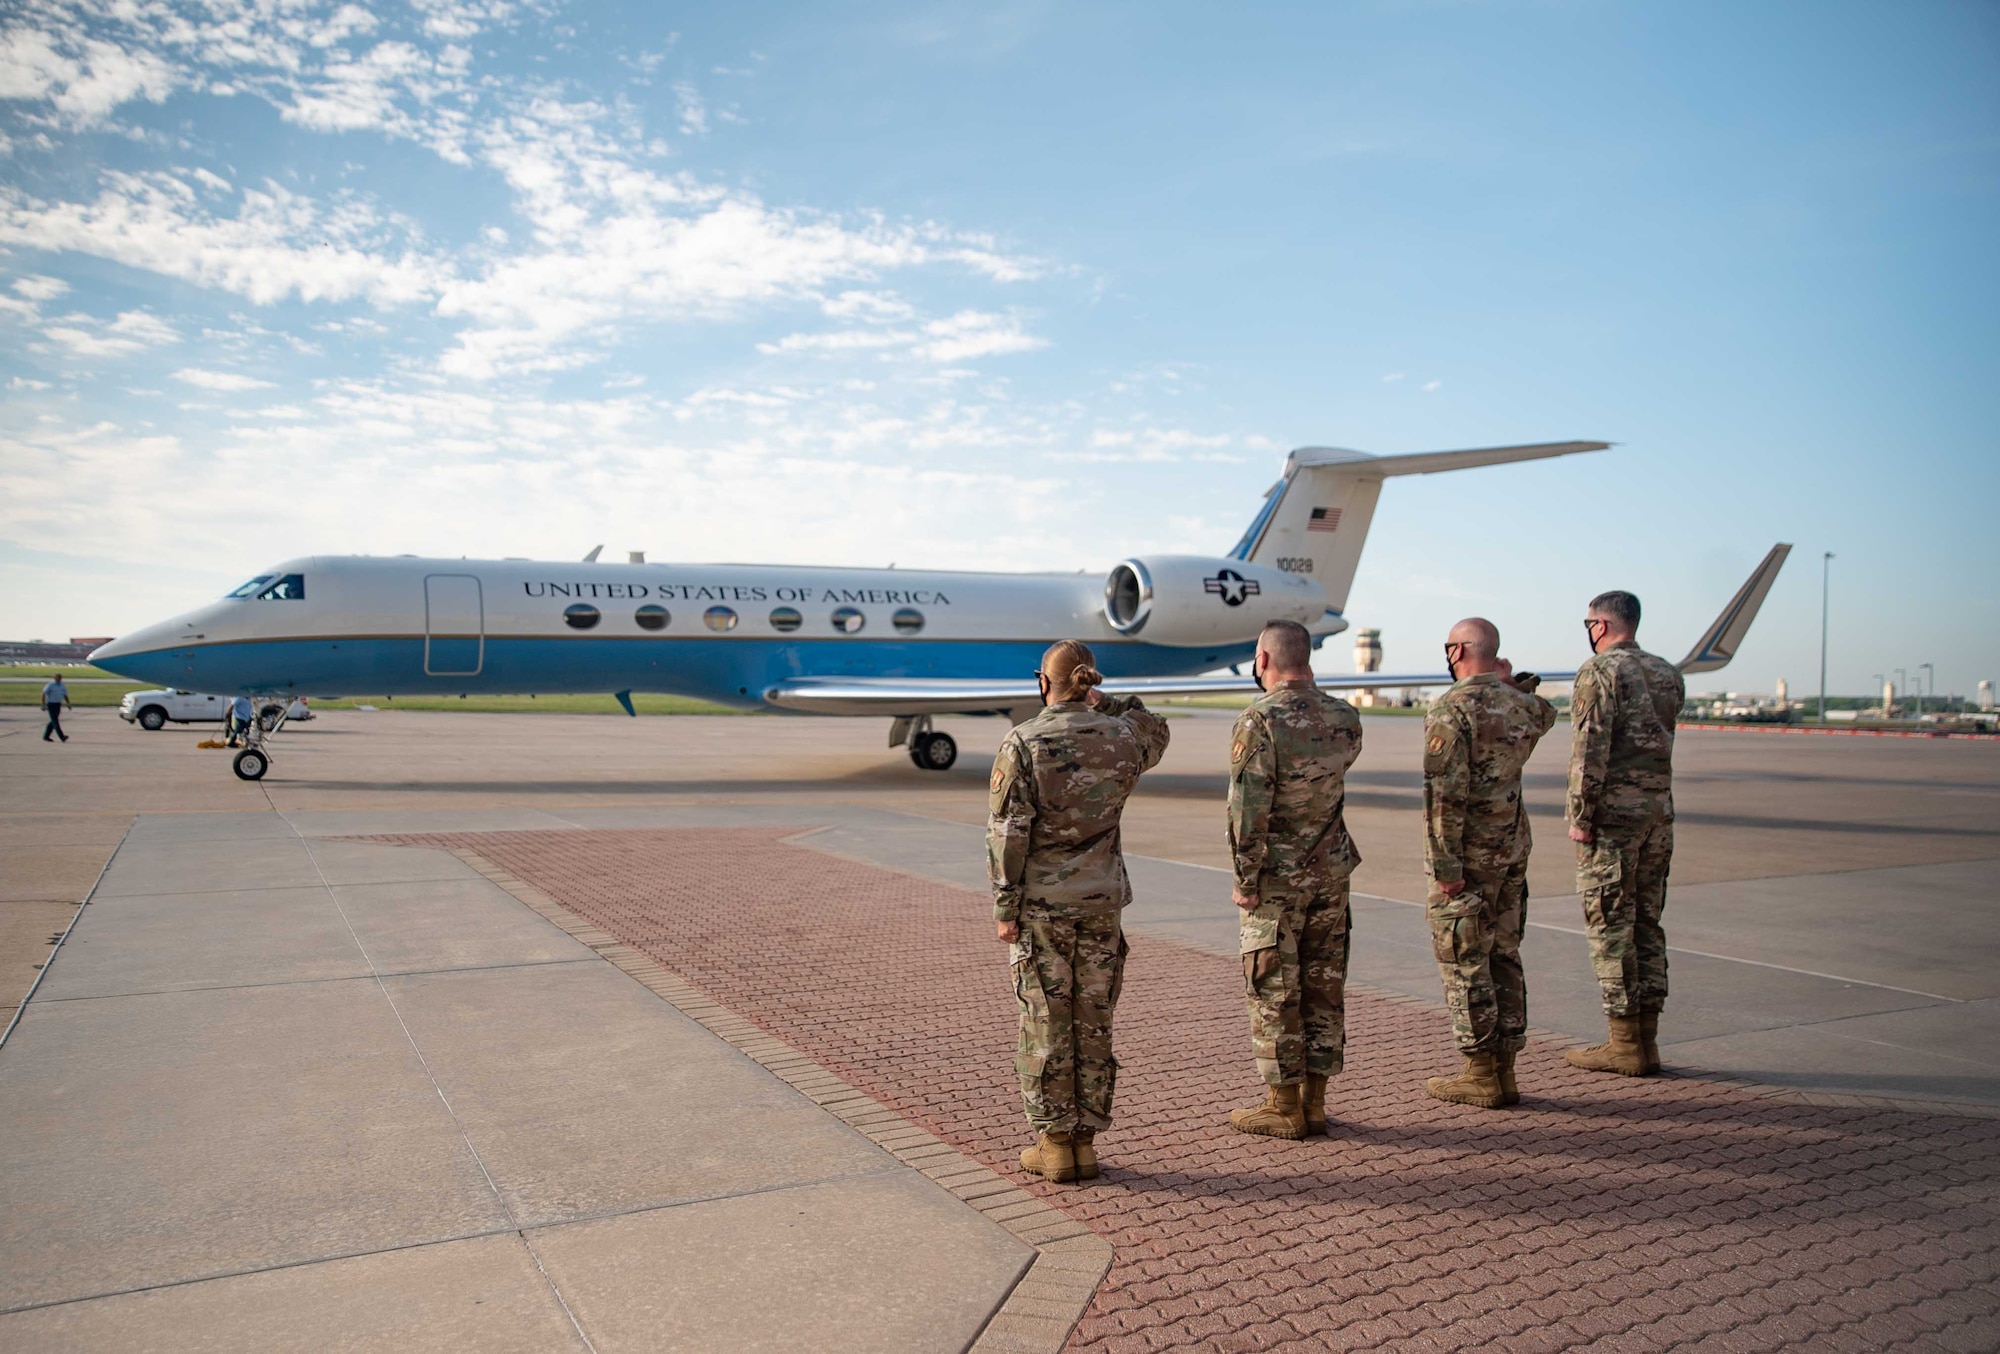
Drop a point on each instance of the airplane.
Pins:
(902, 643)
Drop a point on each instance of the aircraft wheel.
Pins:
(935, 752)
(152, 719)
(251, 764)
(267, 718)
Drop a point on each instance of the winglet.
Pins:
(624, 698)
(1718, 643)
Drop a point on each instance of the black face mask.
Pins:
(1045, 688)
(1450, 664)
(1257, 675)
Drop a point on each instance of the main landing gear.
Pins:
(929, 749)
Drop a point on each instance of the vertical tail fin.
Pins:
(1315, 520)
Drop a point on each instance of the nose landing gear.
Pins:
(929, 749)
(255, 759)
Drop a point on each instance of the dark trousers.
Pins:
(54, 728)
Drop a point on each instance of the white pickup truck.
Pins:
(154, 709)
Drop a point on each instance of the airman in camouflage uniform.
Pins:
(1621, 816)
(1060, 781)
(1288, 839)
(1477, 737)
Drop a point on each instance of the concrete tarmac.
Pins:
(279, 1083)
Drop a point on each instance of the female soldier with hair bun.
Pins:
(1060, 782)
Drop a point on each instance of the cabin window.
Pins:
(582, 616)
(786, 619)
(652, 617)
(290, 588)
(254, 586)
(719, 618)
(849, 620)
(907, 620)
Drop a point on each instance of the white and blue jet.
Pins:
(902, 643)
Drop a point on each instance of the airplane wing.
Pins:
(949, 696)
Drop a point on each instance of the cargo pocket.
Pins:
(1599, 870)
(1118, 969)
(1258, 968)
(1455, 924)
(1028, 993)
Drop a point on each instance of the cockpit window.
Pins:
(251, 588)
(290, 588)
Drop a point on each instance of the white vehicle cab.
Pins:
(155, 709)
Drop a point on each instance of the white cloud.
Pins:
(1392, 378)
(82, 78)
(973, 333)
(1433, 385)
(26, 383)
(132, 331)
(219, 380)
(38, 288)
(694, 114)
(839, 341)
(866, 305)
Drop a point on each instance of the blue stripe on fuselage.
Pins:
(728, 671)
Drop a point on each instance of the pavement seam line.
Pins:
(21, 1007)
(1022, 1313)
(443, 1099)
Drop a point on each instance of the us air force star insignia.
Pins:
(1231, 587)
(1436, 744)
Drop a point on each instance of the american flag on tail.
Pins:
(1324, 519)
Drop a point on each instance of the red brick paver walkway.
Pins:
(1642, 1215)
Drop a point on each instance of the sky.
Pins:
(1017, 286)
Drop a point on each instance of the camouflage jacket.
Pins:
(1288, 763)
(1621, 764)
(1477, 737)
(1060, 782)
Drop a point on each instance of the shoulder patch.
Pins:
(1237, 749)
(1436, 745)
(999, 777)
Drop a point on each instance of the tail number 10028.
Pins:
(1295, 564)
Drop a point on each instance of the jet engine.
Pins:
(1189, 600)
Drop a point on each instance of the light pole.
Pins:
(1930, 686)
(1825, 574)
(1902, 681)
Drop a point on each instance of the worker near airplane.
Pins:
(1060, 782)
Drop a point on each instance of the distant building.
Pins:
(40, 651)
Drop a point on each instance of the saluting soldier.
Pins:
(1287, 783)
(1060, 782)
(1477, 737)
(1621, 816)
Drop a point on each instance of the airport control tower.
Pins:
(1367, 658)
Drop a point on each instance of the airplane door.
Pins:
(454, 626)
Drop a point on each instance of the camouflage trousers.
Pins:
(1622, 877)
(1295, 982)
(1476, 937)
(1067, 973)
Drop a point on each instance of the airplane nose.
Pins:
(117, 648)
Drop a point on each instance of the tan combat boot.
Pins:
(1053, 1157)
(1477, 1083)
(1649, 1041)
(1085, 1142)
(1623, 1052)
(1510, 1091)
(1315, 1105)
(1282, 1115)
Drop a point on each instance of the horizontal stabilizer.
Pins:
(1718, 643)
(1431, 462)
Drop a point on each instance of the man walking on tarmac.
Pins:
(54, 697)
(1477, 737)
(1621, 817)
(1288, 765)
